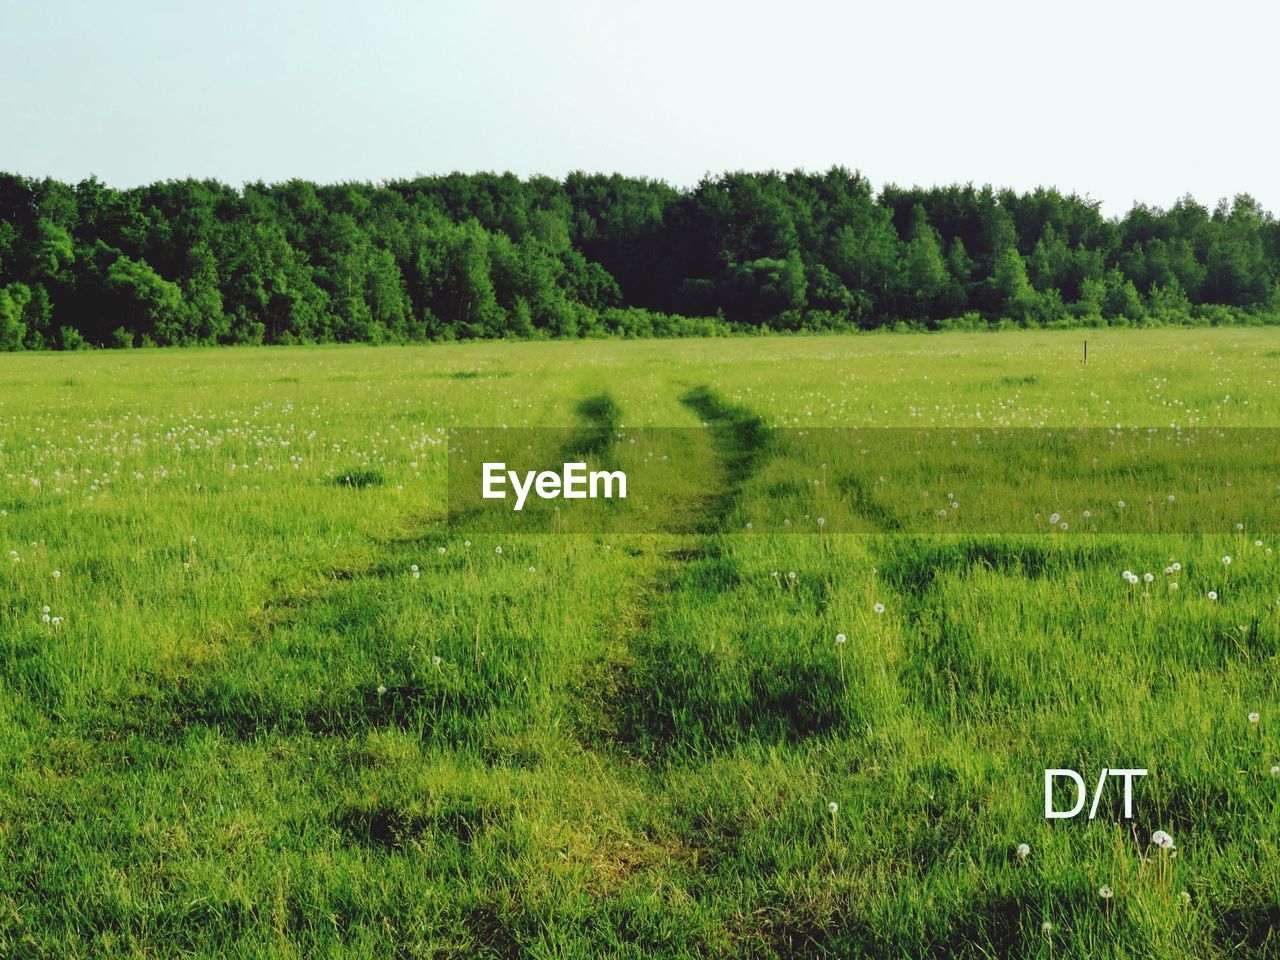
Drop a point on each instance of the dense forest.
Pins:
(487, 255)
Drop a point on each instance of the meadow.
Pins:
(258, 698)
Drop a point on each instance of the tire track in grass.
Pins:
(697, 680)
(601, 419)
(739, 437)
(621, 710)
(597, 684)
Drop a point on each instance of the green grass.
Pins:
(256, 733)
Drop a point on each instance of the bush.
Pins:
(69, 338)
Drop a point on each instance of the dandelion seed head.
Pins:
(1105, 892)
(840, 638)
(1254, 717)
(833, 808)
(1024, 851)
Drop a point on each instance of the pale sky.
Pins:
(1121, 101)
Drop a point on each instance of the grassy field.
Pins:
(256, 699)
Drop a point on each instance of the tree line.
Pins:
(493, 255)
